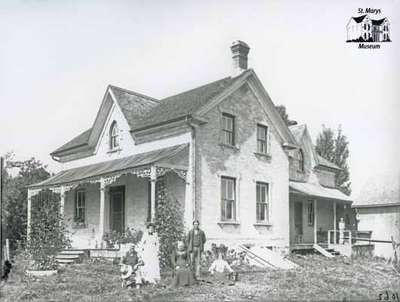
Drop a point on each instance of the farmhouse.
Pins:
(365, 29)
(221, 150)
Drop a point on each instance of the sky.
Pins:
(57, 58)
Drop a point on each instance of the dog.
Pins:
(6, 270)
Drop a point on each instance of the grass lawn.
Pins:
(318, 278)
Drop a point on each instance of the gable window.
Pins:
(228, 129)
(80, 206)
(310, 213)
(114, 139)
(262, 202)
(300, 160)
(228, 199)
(262, 139)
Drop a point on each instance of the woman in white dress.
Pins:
(149, 246)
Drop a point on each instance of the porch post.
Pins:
(62, 200)
(29, 207)
(102, 207)
(315, 221)
(334, 222)
(153, 179)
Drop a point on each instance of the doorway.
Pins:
(117, 209)
(298, 222)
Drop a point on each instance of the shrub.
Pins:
(168, 223)
(114, 238)
(48, 235)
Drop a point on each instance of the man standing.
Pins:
(195, 243)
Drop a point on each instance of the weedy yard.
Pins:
(317, 278)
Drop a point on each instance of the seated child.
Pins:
(131, 269)
(220, 267)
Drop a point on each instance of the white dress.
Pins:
(148, 251)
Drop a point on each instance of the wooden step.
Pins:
(72, 252)
(65, 261)
(72, 257)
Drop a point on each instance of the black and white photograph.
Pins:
(199, 150)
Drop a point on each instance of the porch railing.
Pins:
(340, 237)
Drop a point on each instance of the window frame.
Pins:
(265, 205)
(300, 160)
(78, 207)
(223, 201)
(262, 141)
(225, 131)
(114, 136)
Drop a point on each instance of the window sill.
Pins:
(221, 223)
(263, 155)
(229, 146)
(263, 224)
(114, 150)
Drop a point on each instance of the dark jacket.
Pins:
(189, 240)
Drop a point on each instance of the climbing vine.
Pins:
(48, 234)
(169, 222)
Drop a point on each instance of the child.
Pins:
(220, 267)
(131, 273)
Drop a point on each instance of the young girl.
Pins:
(220, 268)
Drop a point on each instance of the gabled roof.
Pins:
(80, 140)
(378, 22)
(298, 132)
(133, 106)
(359, 19)
(182, 104)
(142, 112)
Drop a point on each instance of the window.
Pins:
(300, 160)
(228, 129)
(365, 26)
(80, 206)
(365, 36)
(310, 213)
(228, 199)
(369, 27)
(262, 139)
(262, 202)
(114, 142)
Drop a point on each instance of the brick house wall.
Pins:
(214, 160)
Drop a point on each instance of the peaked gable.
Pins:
(133, 105)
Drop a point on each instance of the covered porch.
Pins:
(115, 195)
(315, 212)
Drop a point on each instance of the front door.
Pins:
(298, 222)
(117, 209)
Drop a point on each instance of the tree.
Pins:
(334, 147)
(282, 112)
(15, 195)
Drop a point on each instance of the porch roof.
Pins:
(316, 190)
(164, 155)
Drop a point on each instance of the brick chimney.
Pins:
(240, 50)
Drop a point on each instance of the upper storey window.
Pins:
(114, 136)
(300, 160)
(262, 139)
(228, 129)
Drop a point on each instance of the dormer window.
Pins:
(300, 160)
(114, 139)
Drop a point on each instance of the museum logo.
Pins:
(368, 30)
